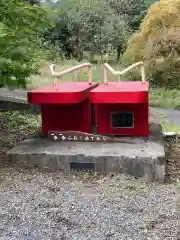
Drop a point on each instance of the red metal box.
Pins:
(64, 107)
(121, 108)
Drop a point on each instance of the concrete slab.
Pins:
(16, 100)
(155, 129)
(139, 158)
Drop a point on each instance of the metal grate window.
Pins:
(122, 119)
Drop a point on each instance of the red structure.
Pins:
(71, 109)
(121, 108)
(64, 107)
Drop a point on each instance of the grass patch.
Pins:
(161, 97)
(15, 127)
(169, 127)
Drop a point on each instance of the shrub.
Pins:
(157, 44)
(21, 28)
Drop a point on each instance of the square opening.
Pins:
(122, 119)
(78, 166)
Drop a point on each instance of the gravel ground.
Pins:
(172, 149)
(37, 205)
(45, 205)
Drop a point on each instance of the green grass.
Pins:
(158, 97)
(161, 97)
(169, 127)
(161, 116)
(82, 75)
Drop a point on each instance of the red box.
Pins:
(65, 107)
(121, 108)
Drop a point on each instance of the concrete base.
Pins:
(19, 106)
(155, 129)
(16, 100)
(139, 158)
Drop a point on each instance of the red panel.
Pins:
(64, 107)
(69, 92)
(93, 114)
(140, 119)
(64, 117)
(123, 92)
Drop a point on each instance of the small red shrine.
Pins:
(65, 106)
(72, 110)
(121, 107)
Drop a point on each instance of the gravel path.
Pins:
(49, 206)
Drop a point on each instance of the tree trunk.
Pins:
(101, 56)
(119, 51)
(79, 45)
(91, 56)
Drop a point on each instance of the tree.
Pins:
(109, 36)
(157, 43)
(90, 25)
(21, 28)
(132, 11)
(95, 25)
(80, 19)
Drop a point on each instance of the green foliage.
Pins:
(21, 28)
(26, 34)
(97, 26)
(132, 11)
(158, 44)
(90, 25)
(108, 31)
(16, 126)
(164, 98)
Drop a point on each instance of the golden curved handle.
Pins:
(120, 73)
(70, 70)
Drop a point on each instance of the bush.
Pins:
(158, 44)
(21, 28)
